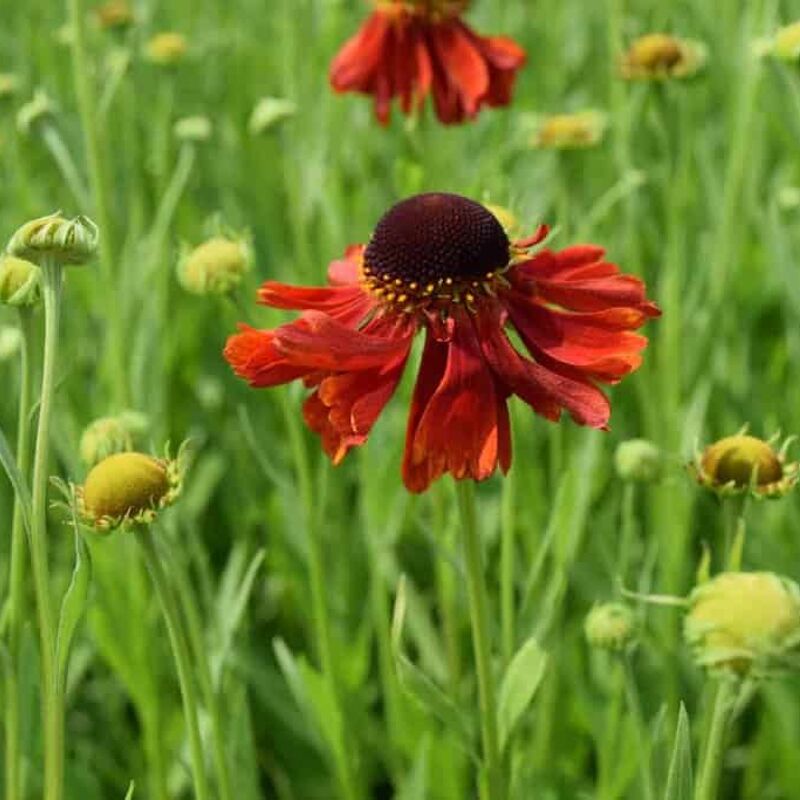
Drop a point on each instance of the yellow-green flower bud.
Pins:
(742, 463)
(786, 44)
(610, 626)
(38, 109)
(65, 241)
(20, 283)
(744, 622)
(127, 488)
(570, 131)
(268, 112)
(9, 85)
(10, 341)
(193, 129)
(108, 435)
(167, 49)
(215, 267)
(114, 15)
(639, 461)
(658, 56)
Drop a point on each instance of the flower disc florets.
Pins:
(657, 56)
(434, 247)
(747, 623)
(740, 464)
(127, 488)
(610, 626)
(65, 241)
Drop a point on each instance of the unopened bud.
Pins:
(193, 129)
(639, 461)
(216, 266)
(167, 49)
(269, 112)
(610, 626)
(108, 435)
(65, 241)
(19, 282)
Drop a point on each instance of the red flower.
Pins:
(408, 48)
(443, 264)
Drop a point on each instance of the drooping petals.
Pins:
(253, 356)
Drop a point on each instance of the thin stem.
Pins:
(445, 589)
(52, 281)
(66, 164)
(316, 567)
(733, 531)
(716, 742)
(479, 617)
(642, 734)
(16, 593)
(628, 530)
(507, 562)
(180, 652)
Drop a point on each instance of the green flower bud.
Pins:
(786, 44)
(10, 341)
(19, 282)
(66, 241)
(108, 435)
(576, 131)
(193, 129)
(167, 49)
(38, 109)
(215, 267)
(269, 112)
(744, 623)
(610, 626)
(127, 488)
(638, 460)
(9, 85)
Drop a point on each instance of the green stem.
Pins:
(642, 734)
(628, 530)
(733, 531)
(507, 562)
(445, 588)
(716, 742)
(194, 628)
(180, 652)
(479, 617)
(16, 593)
(66, 164)
(52, 281)
(316, 567)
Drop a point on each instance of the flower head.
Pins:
(37, 110)
(108, 435)
(657, 56)
(67, 241)
(570, 131)
(215, 267)
(9, 85)
(167, 49)
(639, 461)
(114, 15)
(745, 464)
(127, 488)
(744, 622)
(785, 45)
(610, 626)
(20, 282)
(442, 264)
(195, 129)
(408, 49)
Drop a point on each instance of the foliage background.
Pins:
(695, 187)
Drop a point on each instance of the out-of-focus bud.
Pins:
(114, 15)
(20, 282)
(269, 112)
(216, 266)
(193, 129)
(576, 131)
(66, 241)
(10, 341)
(745, 623)
(745, 464)
(658, 56)
(639, 460)
(9, 85)
(127, 488)
(786, 43)
(108, 435)
(167, 49)
(610, 626)
(39, 109)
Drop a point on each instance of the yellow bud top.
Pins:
(214, 267)
(114, 15)
(742, 463)
(743, 622)
(65, 241)
(19, 282)
(658, 56)
(610, 626)
(125, 488)
(786, 44)
(570, 131)
(167, 49)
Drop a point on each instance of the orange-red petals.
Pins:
(253, 356)
(405, 55)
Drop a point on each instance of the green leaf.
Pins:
(18, 481)
(72, 606)
(518, 687)
(679, 779)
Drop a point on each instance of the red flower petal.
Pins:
(354, 66)
(253, 356)
(462, 64)
(344, 271)
(347, 304)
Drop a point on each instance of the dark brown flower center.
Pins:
(434, 239)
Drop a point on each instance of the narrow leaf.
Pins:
(18, 482)
(518, 687)
(679, 779)
(129, 793)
